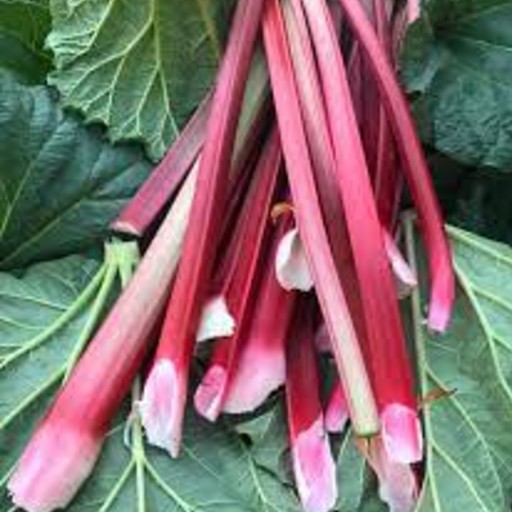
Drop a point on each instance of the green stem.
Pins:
(94, 316)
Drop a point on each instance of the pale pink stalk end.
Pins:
(292, 268)
(260, 371)
(162, 406)
(314, 469)
(216, 320)
(405, 277)
(440, 307)
(398, 486)
(323, 340)
(210, 394)
(402, 436)
(336, 414)
(57, 461)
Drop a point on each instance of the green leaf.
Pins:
(60, 183)
(140, 67)
(468, 434)
(458, 57)
(268, 439)
(351, 475)
(24, 25)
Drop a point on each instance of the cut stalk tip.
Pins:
(161, 407)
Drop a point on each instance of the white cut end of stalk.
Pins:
(216, 321)
(438, 317)
(402, 436)
(336, 415)
(209, 396)
(259, 372)
(314, 469)
(398, 487)
(292, 269)
(405, 277)
(54, 465)
(323, 340)
(162, 407)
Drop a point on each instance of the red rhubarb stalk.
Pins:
(313, 464)
(165, 392)
(415, 167)
(322, 155)
(66, 445)
(405, 277)
(336, 414)
(147, 204)
(391, 368)
(166, 177)
(240, 282)
(398, 486)
(311, 225)
(261, 367)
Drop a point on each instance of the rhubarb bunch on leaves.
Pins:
(280, 247)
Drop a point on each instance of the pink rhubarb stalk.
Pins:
(165, 391)
(386, 350)
(313, 464)
(336, 414)
(405, 277)
(261, 367)
(414, 165)
(66, 445)
(311, 225)
(398, 485)
(239, 284)
(322, 155)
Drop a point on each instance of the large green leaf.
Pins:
(459, 56)
(24, 25)
(43, 315)
(140, 67)
(60, 183)
(468, 434)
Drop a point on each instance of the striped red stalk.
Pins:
(240, 282)
(414, 165)
(261, 367)
(313, 463)
(391, 369)
(311, 224)
(67, 443)
(165, 391)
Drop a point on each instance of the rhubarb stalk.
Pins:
(185, 153)
(313, 464)
(386, 350)
(166, 177)
(261, 366)
(239, 284)
(311, 225)
(66, 445)
(415, 167)
(336, 414)
(165, 392)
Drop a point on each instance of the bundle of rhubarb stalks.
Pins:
(279, 240)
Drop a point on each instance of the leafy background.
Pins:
(92, 92)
